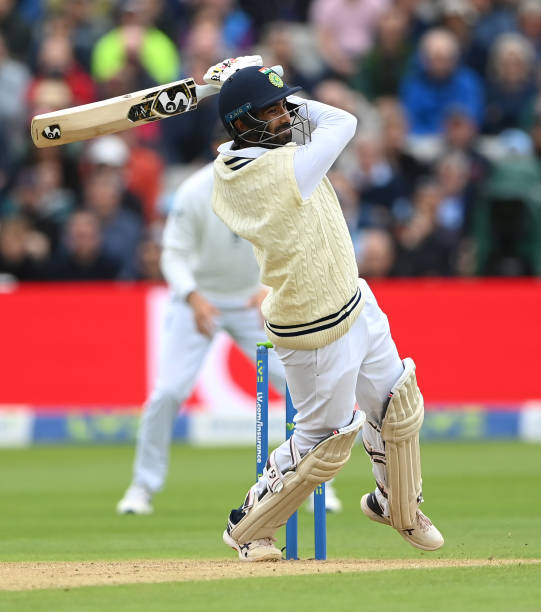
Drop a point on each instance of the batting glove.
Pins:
(220, 72)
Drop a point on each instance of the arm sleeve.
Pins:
(332, 129)
(180, 240)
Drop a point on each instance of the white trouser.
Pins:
(182, 352)
(324, 383)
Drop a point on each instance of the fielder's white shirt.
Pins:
(201, 253)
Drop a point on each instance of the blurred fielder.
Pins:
(214, 281)
(329, 332)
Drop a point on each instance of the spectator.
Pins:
(14, 79)
(113, 153)
(30, 11)
(345, 30)
(137, 46)
(263, 13)
(493, 18)
(336, 93)
(379, 72)
(121, 229)
(84, 27)
(454, 212)
(375, 253)
(48, 95)
(379, 187)
(81, 257)
(421, 15)
(189, 140)
(23, 253)
(510, 86)
(458, 17)
(349, 199)
(56, 60)
(436, 81)
(148, 255)
(394, 141)
(204, 42)
(41, 199)
(164, 15)
(144, 171)
(461, 135)
(423, 246)
(236, 26)
(15, 31)
(279, 49)
(529, 23)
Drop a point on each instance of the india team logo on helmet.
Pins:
(274, 78)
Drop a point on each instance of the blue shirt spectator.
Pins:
(437, 81)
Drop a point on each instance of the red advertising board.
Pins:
(81, 344)
(474, 341)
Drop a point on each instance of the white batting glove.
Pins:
(220, 72)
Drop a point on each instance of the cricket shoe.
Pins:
(424, 534)
(258, 550)
(332, 502)
(136, 500)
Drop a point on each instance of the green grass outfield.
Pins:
(57, 504)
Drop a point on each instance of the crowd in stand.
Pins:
(442, 178)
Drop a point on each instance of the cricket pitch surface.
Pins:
(21, 576)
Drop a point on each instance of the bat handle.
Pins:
(203, 91)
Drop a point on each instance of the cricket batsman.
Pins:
(214, 286)
(329, 332)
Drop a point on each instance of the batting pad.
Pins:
(321, 463)
(400, 432)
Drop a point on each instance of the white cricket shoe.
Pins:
(424, 535)
(136, 500)
(258, 550)
(332, 501)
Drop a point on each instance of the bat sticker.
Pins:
(165, 103)
(167, 106)
(172, 101)
(140, 112)
(52, 132)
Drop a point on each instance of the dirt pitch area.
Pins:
(19, 576)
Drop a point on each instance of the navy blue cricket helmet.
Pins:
(247, 90)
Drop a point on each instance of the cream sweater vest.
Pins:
(303, 248)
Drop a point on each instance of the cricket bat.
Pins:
(120, 113)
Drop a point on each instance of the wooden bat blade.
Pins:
(120, 113)
(116, 114)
